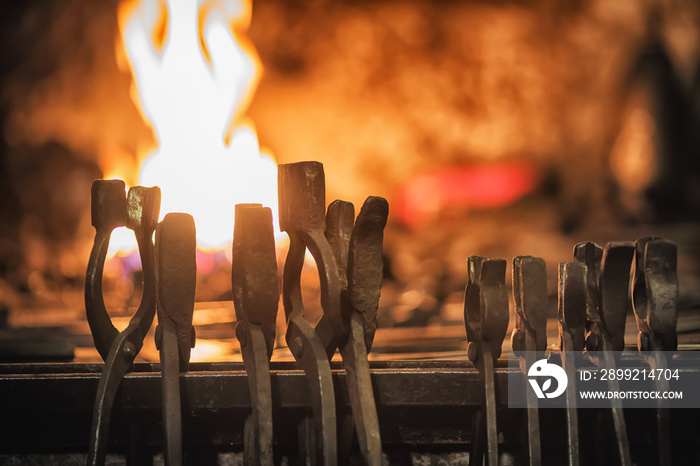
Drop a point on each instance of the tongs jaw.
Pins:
(301, 188)
(530, 302)
(366, 263)
(139, 212)
(572, 307)
(654, 292)
(255, 286)
(486, 322)
(485, 306)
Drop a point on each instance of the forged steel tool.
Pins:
(486, 322)
(358, 253)
(176, 274)
(301, 188)
(572, 325)
(255, 288)
(139, 212)
(606, 319)
(654, 291)
(529, 338)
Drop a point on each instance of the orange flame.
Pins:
(194, 73)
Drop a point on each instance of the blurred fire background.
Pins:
(493, 127)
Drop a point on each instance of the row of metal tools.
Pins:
(348, 255)
(594, 292)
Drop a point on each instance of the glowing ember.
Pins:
(194, 74)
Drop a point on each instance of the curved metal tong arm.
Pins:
(301, 188)
(108, 205)
(654, 291)
(139, 212)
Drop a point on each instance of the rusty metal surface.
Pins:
(108, 208)
(139, 212)
(301, 188)
(530, 335)
(363, 264)
(614, 290)
(486, 322)
(654, 291)
(571, 310)
(606, 302)
(176, 280)
(255, 287)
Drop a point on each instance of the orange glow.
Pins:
(194, 75)
(481, 186)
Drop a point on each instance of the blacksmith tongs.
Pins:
(255, 288)
(654, 291)
(139, 212)
(571, 310)
(529, 338)
(302, 215)
(608, 277)
(486, 322)
(358, 251)
(176, 275)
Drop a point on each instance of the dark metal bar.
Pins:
(255, 288)
(486, 322)
(530, 335)
(176, 278)
(572, 321)
(654, 291)
(139, 212)
(301, 189)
